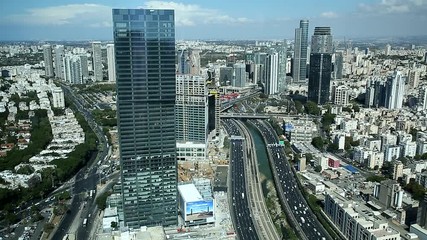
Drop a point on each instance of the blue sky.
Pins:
(215, 19)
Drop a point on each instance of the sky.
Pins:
(53, 20)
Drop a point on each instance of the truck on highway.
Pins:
(85, 222)
(302, 220)
(243, 195)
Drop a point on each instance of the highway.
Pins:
(290, 195)
(86, 179)
(241, 215)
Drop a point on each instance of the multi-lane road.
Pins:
(302, 217)
(241, 214)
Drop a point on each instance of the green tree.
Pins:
(416, 190)
(298, 106)
(356, 108)
(375, 178)
(114, 225)
(312, 108)
(318, 142)
(101, 200)
(318, 168)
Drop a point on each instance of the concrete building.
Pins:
(191, 117)
(48, 62)
(397, 170)
(389, 193)
(195, 209)
(59, 55)
(85, 70)
(111, 63)
(272, 80)
(58, 98)
(97, 62)
(395, 89)
(391, 153)
(340, 95)
(356, 221)
(146, 115)
(72, 69)
(239, 79)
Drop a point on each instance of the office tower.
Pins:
(183, 61)
(111, 63)
(225, 76)
(339, 64)
(340, 95)
(395, 89)
(58, 98)
(85, 70)
(257, 73)
(282, 50)
(48, 63)
(422, 212)
(320, 65)
(387, 49)
(59, 55)
(191, 111)
(97, 61)
(272, 65)
(425, 58)
(146, 114)
(300, 53)
(72, 69)
(239, 79)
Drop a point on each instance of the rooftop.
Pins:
(189, 193)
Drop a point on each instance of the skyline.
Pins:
(47, 20)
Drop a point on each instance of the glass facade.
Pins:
(144, 42)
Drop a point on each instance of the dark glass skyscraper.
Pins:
(320, 65)
(144, 42)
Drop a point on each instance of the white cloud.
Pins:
(192, 14)
(94, 15)
(329, 15)
(395, 7)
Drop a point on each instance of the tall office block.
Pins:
(144, 41)
(320, 65)
(271, 82)
(422, 97)
(395, 89)
(59, 55)
(422, 212)
(48, 62)
(97, 61)
(339, 65)
(183, 61)
(387, 49)
(225, 75)
(195, 62)
(111, 63)
(239, 79)
(191, 117)
(300, 52)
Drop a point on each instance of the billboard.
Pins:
(203, 209)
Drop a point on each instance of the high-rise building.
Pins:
(282, 49)
(389, 193)
(271, 82)
(72, 69)
(59, 55)
(413, 78)
(111, 63)
(85, 70)
(146, 114)
(422, 212)
(195, 62)
(300, 52)
(58, 98)
(191, 117)
(97, 61)
(320, 65)
(48, 62)
(395, 89)
(422, 97)
(183, 61)
(339, 65)
(225, 75)
(239, 79)
(387, 49)
(397, 170)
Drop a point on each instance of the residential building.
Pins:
(59, 55)
(48, 62)
(146, 115)
(397, 170)
(97, 62)
(395, 89)
(191, 117)
(272, 80)
(111, 63)
(340, 95)
(58, 98)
